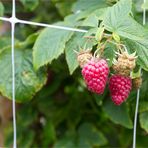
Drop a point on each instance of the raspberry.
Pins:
(125, 63)
(120, 87)
(95, 73)
(137, 82)
(84, 57)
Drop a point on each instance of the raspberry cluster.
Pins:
(95, 71)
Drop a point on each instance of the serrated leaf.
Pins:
(141, 50)
(116, 14)
(117, 20)
(118, 114)
(91, 21)
(49, 45)
(90, 136)
(144, 120)
(74, 43)
(27, 81)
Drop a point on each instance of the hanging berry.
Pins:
(95, 73)
(120, 87)
(125, 63)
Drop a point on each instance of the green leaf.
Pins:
(109, 53)
(118, 114)
(49, 134)
(30, 40)
(91, 21)
(30, 4)
(49, 45)
(27, 81)
(4, 42)
(115, 15)
(141, 50)
(66, 142)
(89, 136)
(74, 43)
(99, 33)
(81, 5)
(143, 106)
(1, 9)
(117, 20)
(144, 120)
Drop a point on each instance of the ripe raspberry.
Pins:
(120, 87)
(95, 74)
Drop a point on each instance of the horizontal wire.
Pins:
(51, 26)
(5, 19)
(42, 24)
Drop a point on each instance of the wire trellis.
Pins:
(13, 20)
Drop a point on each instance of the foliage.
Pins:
(56, 109)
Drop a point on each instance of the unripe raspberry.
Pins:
(95, 74)
(84, 57)
(137, 82)
(120, 87)
(125, 63)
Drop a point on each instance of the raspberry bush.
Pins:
(75, 89)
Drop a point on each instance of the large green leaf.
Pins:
(93, 18)
(81, 5)
(115, 15)
(49, 45)
(144, 120)
(142, 51)
(74, 43)
(27, 81)
(117, 20)
(90, 136)
(118, 114)
(78, 43)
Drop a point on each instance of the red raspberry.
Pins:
(120, 87)
(95, 73)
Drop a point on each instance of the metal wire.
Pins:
(12, 21)
(138, 92)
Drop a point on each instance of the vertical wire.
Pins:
(138, 92)
(13, 72)
(13, 84)
(13, 8)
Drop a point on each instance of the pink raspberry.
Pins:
(120, 87)
(95, 73)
